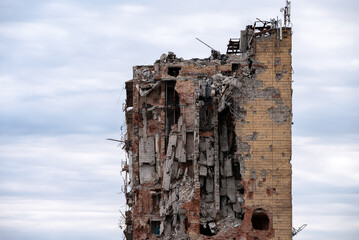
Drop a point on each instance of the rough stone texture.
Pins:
(209, 142)
(280, 114)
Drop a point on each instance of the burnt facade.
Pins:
(209, 142)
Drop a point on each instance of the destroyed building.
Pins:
(209, 142)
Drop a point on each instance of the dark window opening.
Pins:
(227, 118)
(205, 230)
(203, 184)
(155, 227)
(186, 224)
(129, 94)
(239, 215)
(136, 196)
(250, 63)
(205, 117)
(168, 228)
(235, 67)
(172, 108)
(226, 73)
(189, 145)
(260, 220)
(173, 71)
(236, 171)
(156, 198)
(149, 114)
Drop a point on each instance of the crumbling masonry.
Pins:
(209, 142)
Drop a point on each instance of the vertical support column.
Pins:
(196, 137)
(158, 154)
(136, 118)
(163, 129)
(216, 155)
(194, 205)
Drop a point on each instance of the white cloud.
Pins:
(325, 186)
(32, 31)
(61, 183)
(50, 215)
(317, 160)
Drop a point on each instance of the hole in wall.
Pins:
(149, 114)
(156, 198)
(226, 73)
(206, 116)
(205, 230)
(172, 108)
(186, 224)
(173, 71)
(260, 220)
(235, 67)
(189, 145)
(129, 94)
(155, 227)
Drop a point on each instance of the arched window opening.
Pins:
(260, 220)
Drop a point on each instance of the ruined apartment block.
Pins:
(209, 142)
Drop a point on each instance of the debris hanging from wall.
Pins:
(209, 142)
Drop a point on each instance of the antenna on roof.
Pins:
(286, 12)
(206, 44)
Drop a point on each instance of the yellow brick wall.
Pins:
(276, 159)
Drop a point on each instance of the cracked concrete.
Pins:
(202, 142)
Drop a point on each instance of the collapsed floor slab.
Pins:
(209, 142)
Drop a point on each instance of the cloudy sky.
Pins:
(63, 65)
